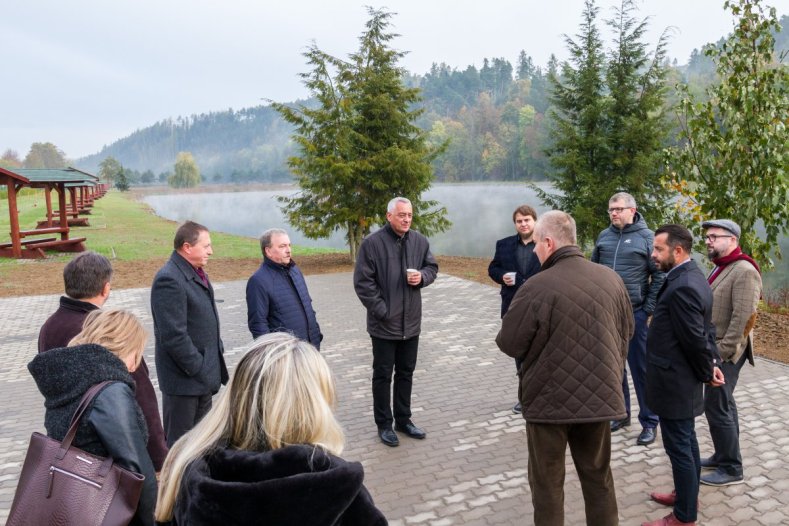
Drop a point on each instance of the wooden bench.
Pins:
(29, 242)
(39, 231)
(72, 221)
(76, 244)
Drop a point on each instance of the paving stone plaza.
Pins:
(471, 469)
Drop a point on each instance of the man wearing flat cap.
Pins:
(736, 287)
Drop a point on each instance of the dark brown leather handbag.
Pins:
(63, 485)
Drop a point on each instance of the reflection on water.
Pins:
(480, 214)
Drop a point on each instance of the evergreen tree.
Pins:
(121, 181)
(359, 147)
(735, 155)
(579, 153)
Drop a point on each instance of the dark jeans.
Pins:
(590, 447)
(682, 448)
(398, 356)
(181, 413)
(721, 412)
(637, 361)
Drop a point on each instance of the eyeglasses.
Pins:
(712, 238)
(619, 209)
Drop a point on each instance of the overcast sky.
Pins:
(84, 73)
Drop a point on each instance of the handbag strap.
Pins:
(87, 398)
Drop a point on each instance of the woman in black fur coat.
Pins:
(266, 452)
(108, 348)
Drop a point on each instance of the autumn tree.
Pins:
(45, 155)
(735, 153)
(186, 174)
(10, 159)
(359, 147)
(110, 169)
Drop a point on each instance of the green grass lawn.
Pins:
(124, 229)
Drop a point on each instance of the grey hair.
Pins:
(265, 238)
(557, 225)
(629, 200)
(393, 203)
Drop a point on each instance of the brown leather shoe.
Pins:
(666, 499)
(668, 520)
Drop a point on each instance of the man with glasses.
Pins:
(626, 247)
(736, 287)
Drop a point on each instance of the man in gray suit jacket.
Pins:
(189, 353)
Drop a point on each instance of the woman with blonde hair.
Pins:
(109, 347)
(266, 452)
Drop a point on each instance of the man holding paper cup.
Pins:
(515, 262)
(392, 266)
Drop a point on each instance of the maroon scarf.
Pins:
(736, 255)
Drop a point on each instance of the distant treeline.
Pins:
(494, 117)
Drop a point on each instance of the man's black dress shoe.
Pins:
(616, 425)
(388, 437)
(411, 430)
(647, 436)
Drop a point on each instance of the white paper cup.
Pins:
(510, 276)
(411, 271)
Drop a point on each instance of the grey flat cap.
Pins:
(726, 224)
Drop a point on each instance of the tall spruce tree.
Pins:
(735, 156)
(608, 125)
(360, 146)
(579, 152)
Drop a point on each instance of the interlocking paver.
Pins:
(471, 469)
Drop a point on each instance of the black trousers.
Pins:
(721, 411)
(398, 356)
(181, 413)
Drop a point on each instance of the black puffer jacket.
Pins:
(112, 426)
(629, 253)
(394, 308)
(296, 485)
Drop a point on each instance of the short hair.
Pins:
(629, 200)
(559, 226)
(524, 210)
(265, 238)
(677, 235)
(393, 203)
(118, 331)
(189, 232)
(85, 275)
(282, 393)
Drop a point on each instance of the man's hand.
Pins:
(414, 277)
(717, 378)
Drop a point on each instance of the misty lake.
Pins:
(480, 214)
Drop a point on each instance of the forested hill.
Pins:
(495, 117)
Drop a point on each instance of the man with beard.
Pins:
(736, 287)
(514, 262)
(681, 358)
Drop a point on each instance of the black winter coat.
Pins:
(189, 352)
(629, 253)
(113, 425)
(394, 308)
(278, 301)
(681, 351)
(296, 485)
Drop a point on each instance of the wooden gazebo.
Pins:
(59, 180)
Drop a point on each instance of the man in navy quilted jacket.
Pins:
(277, 296)
(626, 247)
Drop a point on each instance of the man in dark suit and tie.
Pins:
(681, 358)
(515, 262)
(189, 353)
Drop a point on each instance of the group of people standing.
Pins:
(571, 324)
(641, 300)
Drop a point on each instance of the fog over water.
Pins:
(480, 214)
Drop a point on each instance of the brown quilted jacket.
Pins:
(570, 324)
